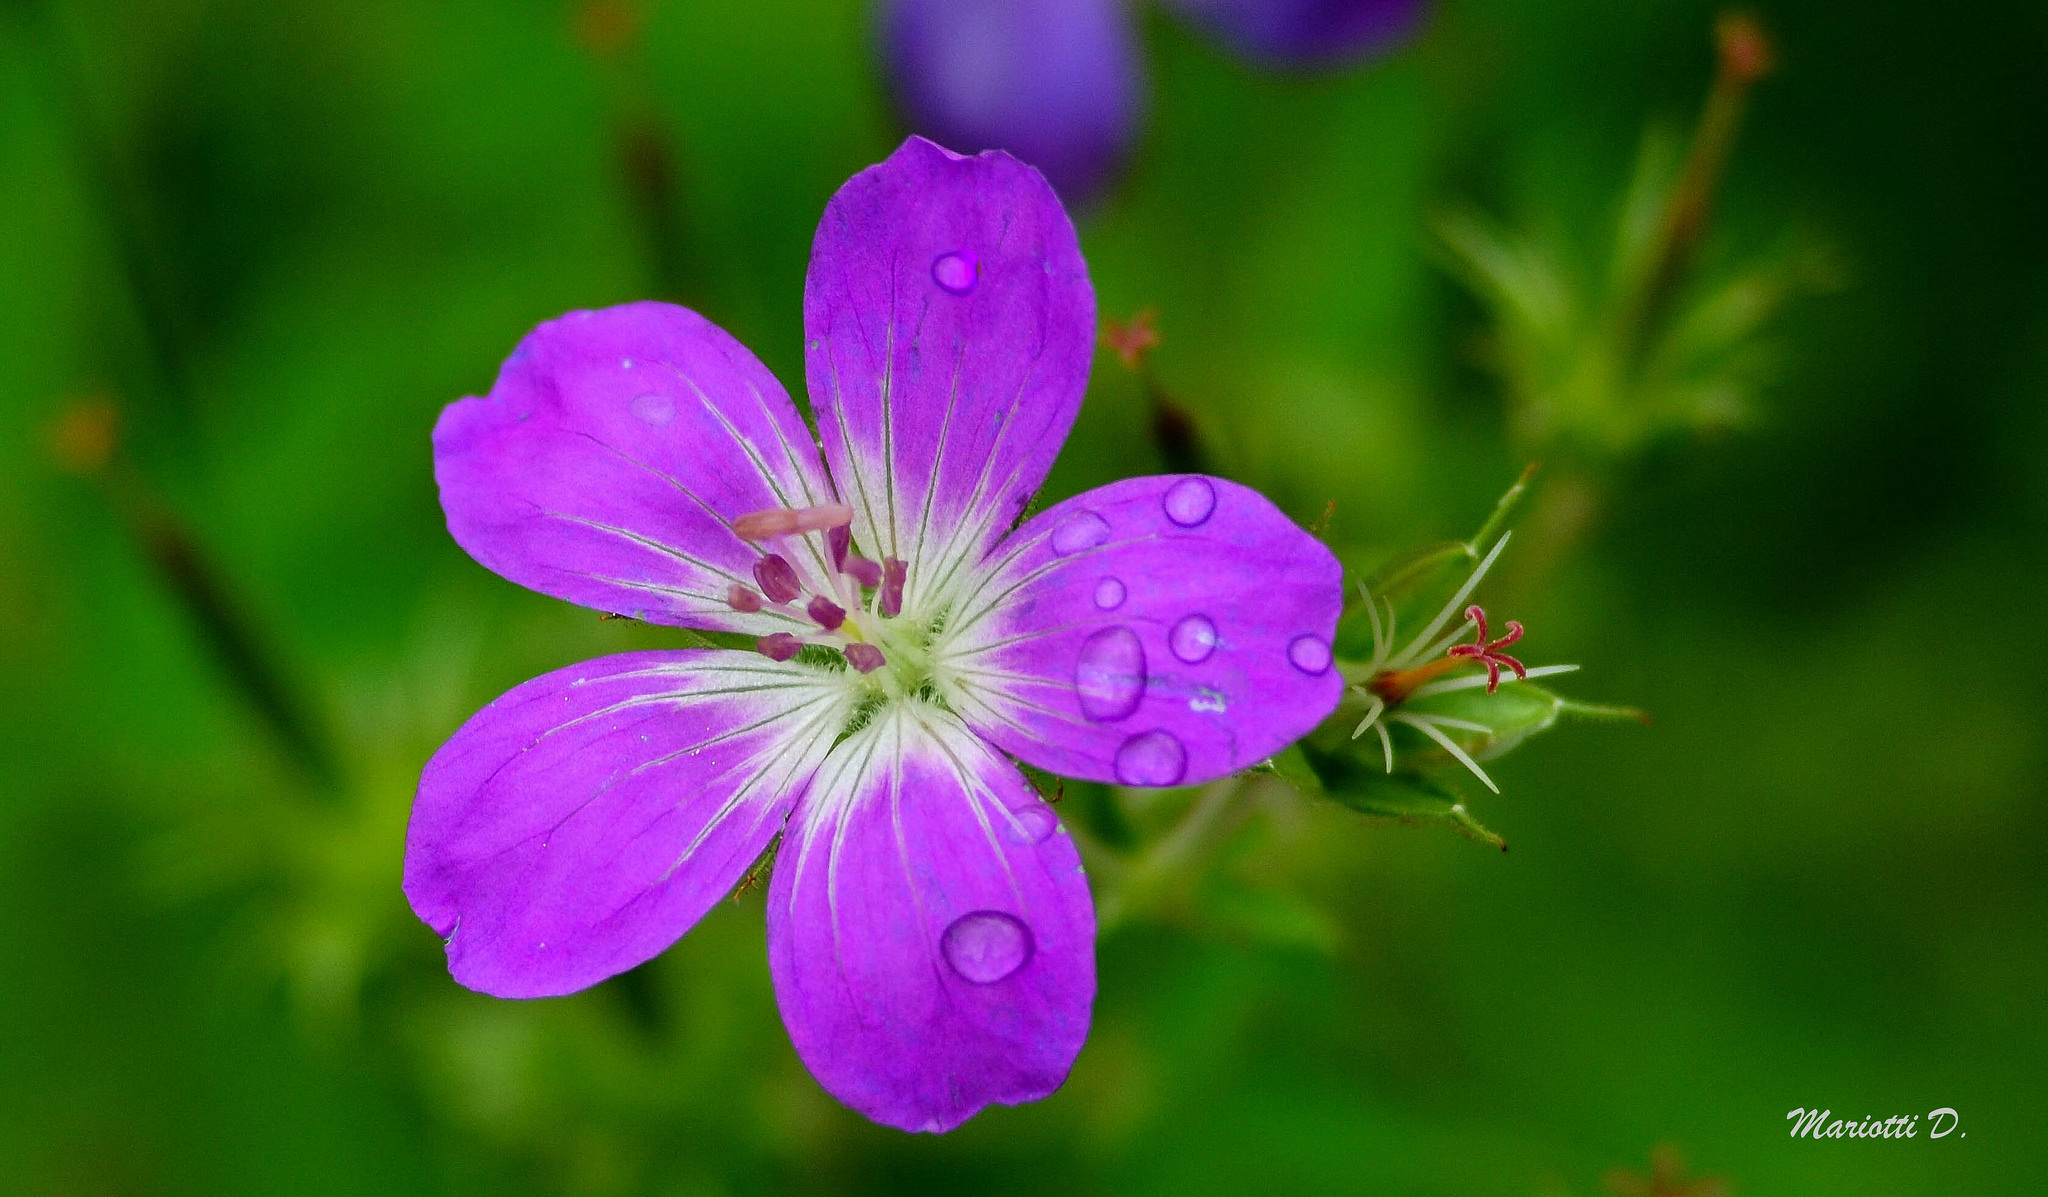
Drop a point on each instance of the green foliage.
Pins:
(278, 238)
(1588, 368)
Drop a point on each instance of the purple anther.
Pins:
(742, 598)
(893, 573)
(862, 570)
(839, 540)
(779, 647)
(865, 658)
(777, 578)
(828, 613)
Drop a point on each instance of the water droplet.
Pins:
(986, 946)
(1192, 639)
(1109, 594)
(1152, 758)
(1190, 502)
(956, 272)
(1084, 530)
(625, 363)
(1207, 701)
(654, 409)
(1109, 675)
(1033, 823)
(1310, 654)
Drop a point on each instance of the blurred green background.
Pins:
(277, 238)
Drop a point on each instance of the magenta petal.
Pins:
(929, 928)
(606, 466)
(586, 819)
(949, 324)
(1157, 631)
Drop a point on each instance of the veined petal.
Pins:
(609, 461)
(1058, 83)
(582, 822)
(930, 932)
(1156, 631)
(948, 326)
(1299, 33)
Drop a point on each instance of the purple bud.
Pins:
(1305, 33)
(1057, 83)
(777, 578)
(864, 657)
(862, 570)
(893, 573)
(828, 613)
(742, 598)
(779, 647)
(839, 540)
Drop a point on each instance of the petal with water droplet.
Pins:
(930, 936)
(1228, 604)
(615, 488)
(940, 411)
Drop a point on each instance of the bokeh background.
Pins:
(248, 250)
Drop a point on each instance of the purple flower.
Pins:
(930, 932)
(1060, 84)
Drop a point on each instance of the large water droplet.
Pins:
(1083, 530)
(1109, 594)
(1192, 639)
(654, 409)
(1310, 654)
(1152, 758)
(1032, 824)
(1190, 502)
(956, 272)
(1109, 675)
(986, 946)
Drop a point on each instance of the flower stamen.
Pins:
(779, 647)
(787, 521)
(828, 614)
(894, 571)
(777, 578)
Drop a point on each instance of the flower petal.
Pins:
(949, 322)
(1305, 33)
(929, 928)
(586, 819)
(609, 461)
(1156, 631)
(1058, 83)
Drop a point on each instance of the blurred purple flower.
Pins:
(930, 933)
(1060, 84)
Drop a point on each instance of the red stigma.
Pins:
(1487, 652)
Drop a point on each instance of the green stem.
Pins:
(1163, 860)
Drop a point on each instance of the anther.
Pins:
(786, 521)
(777, 578)
(893, 573)
(828, 613)
(862, 570)
(779, 647)
(865, 658)
(742, 598)
(837, 542)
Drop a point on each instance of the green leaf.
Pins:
(1409, 797)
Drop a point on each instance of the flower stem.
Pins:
(1160, 863)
